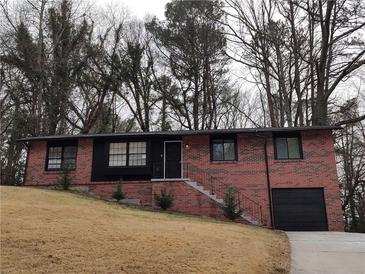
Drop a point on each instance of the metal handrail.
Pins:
(218, 187)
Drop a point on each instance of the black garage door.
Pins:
(299, 209)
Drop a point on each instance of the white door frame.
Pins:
(164, 159)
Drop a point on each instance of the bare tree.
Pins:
(340, 52)
(299, 52)
(350, 148)
(135, 74)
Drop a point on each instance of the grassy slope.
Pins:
(57, 232)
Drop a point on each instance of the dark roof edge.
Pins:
(179, 132)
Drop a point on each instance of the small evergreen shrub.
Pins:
(118, 194)
(230, 207)
(164, 200)
(65, 180)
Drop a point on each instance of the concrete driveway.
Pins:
(327, 252)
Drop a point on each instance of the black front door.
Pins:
(173, 160)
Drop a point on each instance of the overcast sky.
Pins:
(139, 8)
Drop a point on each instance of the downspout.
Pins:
(267, 171)
(26, 164)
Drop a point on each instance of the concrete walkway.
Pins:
(327, 252)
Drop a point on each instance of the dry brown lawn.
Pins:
(45, 231)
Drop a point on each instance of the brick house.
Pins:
(285, 177)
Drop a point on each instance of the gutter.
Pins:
(268, 182)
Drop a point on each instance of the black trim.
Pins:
(223, 137)
(62, 144)
(292, 134)
(180, 133)
(101, 171)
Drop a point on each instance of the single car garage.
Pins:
(299, 209)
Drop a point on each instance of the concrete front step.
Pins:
(216, 199)
(249, 219)
(202, 190)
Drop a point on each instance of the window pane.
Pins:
(217, 151)
(117, 160)
(293, 147)
(57, 160)
(137, 147)
(281, 148)
(137, 159)
(229, 150)
(137, 154)
(55, 152)
(69, 152)
(118, 148)
(54, 164)
(69, 163)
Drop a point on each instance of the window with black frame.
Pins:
(223, 149)
(288, 147)
(127, 154)
(61, 157)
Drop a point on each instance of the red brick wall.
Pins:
(317, 169)
(248, 173)
(132, 190)
(81, 177)
(188, 200)
(36, 174)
